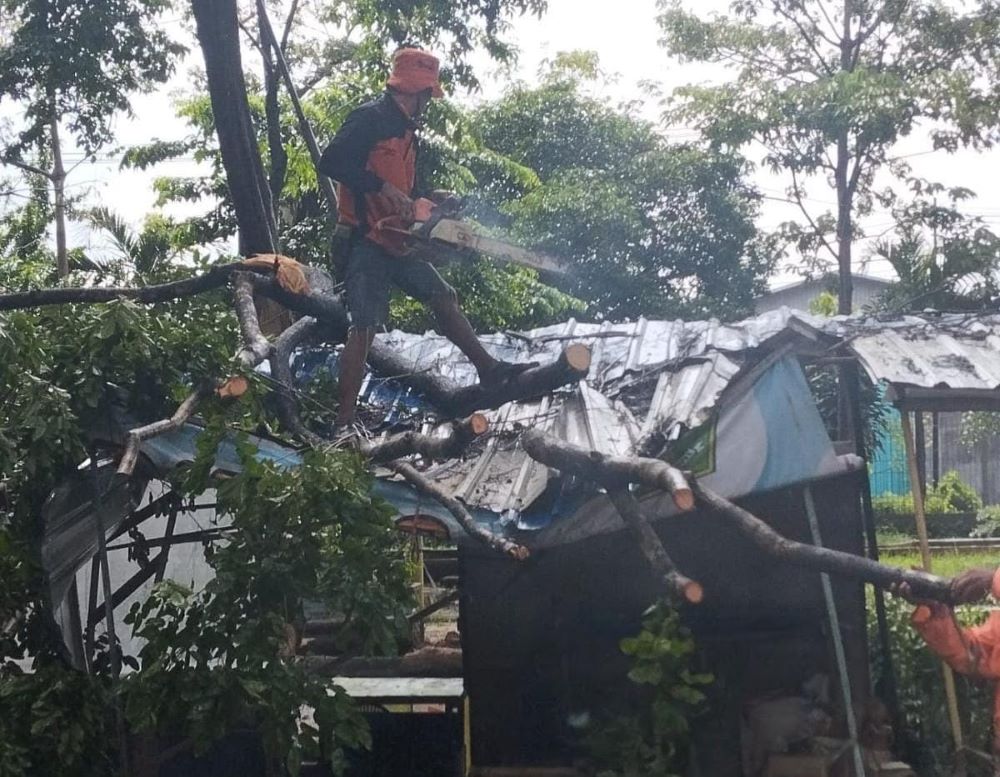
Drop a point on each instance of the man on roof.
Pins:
(373, 158)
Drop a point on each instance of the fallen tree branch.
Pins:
(135, 437)
(612, 472)
(163, 292)
(457, 509)
(573, 364)
(681, 588)
(321, 303)
(256, 347)
(923, 584)
(436, 448)
(281, 372)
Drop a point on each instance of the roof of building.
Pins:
(647, 377)
(826, 278)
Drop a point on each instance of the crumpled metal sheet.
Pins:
(954, 350)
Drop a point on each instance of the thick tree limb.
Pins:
(322, 304)
(573, 364)
(681, 588)
(613, 472)
(437, 448)
(188, 287)
(135, 437)
(256, 347)
(834, 562)
(457, 509)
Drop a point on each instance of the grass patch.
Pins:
(890, 537)
(946, 563)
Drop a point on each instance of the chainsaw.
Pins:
(438, 227)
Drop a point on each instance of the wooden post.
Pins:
(920, 448)
(925, 555)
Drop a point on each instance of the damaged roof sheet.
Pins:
(666, 376)
(645, 376)
(952, 350)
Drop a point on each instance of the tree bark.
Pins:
(58, 178)
(679, 587)
(435, 448)
(572, 365)
(135, 437)
(844, 199)
(923, 584)
(612, 472)
(461, 514)
(218, 33)
(188, 287)
(256, 347)
(268, 41)
(281, 372)
(272, 112)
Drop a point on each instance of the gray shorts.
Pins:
(371, 274)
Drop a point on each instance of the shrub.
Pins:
(956, 494)
(987, 522)
(950, 495)
(925, 739)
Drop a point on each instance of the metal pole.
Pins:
(925, 555)
(838, 641)
(888, 687)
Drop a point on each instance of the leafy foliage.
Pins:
(218, 659)
(987, 522)
(650, 742)
(80, 62)
(56, 722)
(950, 495)
(648, 228)
(827, 97)
(925, 741)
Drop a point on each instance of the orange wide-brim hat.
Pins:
(414, 70)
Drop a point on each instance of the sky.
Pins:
(626, 41)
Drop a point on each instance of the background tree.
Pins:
(649, 228)
(827, 88)
(76, 64)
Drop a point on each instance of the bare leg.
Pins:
(456, 327)
(352, 372)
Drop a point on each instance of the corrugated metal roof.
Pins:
(652, 376)
(957, 351)
(645, 376)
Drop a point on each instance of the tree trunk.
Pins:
(844, 226)
(58, 178)
(218, 34)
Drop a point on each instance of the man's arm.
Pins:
(346, 158)
(973, 651)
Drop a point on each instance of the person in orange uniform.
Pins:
(373, 158)
(971, 651)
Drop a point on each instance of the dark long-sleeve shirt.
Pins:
(374, 145)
